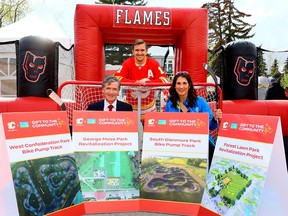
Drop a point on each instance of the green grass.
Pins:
(234, 183)
(115, 164)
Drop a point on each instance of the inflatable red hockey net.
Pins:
(77, 95)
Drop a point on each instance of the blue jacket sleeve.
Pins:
(170, 108)
(206, 108)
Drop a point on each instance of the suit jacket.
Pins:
(121, 106)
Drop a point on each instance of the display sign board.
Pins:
(175, 154)
(106, 151)
(38, 149)
(248, 174)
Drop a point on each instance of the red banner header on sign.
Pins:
(101, 121)
(21, 125)
(177, 122)
(253, 128)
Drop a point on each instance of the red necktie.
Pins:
(110, 107)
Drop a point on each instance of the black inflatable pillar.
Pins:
(37, 67)
(240, 77)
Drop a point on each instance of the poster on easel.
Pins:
(8, 202)
(174, 158)
(41, 161)
(248, 174)
(106, 152)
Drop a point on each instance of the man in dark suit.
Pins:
(110, 89)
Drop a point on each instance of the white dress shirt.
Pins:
(106, 104)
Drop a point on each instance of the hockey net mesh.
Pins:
(77, 95)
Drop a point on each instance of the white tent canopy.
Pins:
(41, 22)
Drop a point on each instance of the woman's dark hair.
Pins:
(173, 95)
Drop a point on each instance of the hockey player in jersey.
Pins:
(141, 69)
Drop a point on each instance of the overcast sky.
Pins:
(270, 17)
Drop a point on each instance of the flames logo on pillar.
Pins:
(33, 66)
(244, 71)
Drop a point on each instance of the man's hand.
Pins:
(142, 81)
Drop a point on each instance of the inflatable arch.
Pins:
(184, 28)
(96, 25)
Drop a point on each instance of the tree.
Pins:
(12, 10)
(274, 70)
(285, 68)
(123, 2)
(116, 54)
(284, 80)
(262, 66)
(226, 23)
